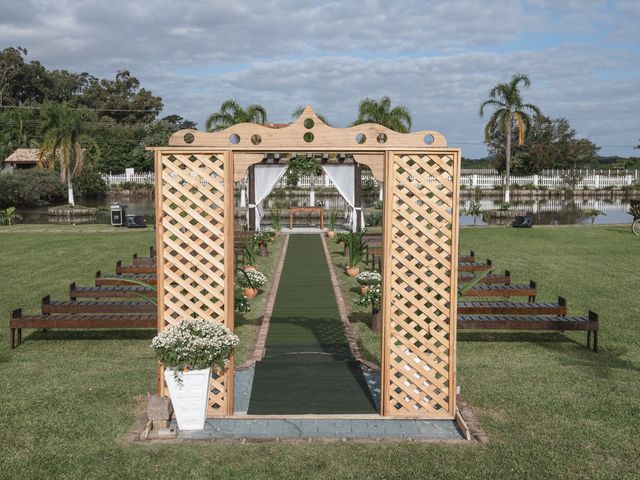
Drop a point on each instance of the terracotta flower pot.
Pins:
(353, 271)
(250, 292)
(364, 289)
(262, 250)
(249, 268)
(331, 233)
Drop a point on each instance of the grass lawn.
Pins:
(551, 408)
(247, 324)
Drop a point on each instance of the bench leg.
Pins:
(588, 339)
(19, 336)
(12, 339)
(595, 341)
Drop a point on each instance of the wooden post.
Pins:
(229, 241)
(357, 202)
(252, 198)
(160, 386)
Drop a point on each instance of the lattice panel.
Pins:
(192, 253)
(420, 285)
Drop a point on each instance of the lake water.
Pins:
(545, 211)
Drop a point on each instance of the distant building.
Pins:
(21, 158)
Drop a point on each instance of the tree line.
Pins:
(117, 114)
(77, 119)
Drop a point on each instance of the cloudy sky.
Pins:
(439, 58)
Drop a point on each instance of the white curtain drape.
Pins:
(343, 177)
(266, 177)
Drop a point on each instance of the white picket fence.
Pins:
(145, 177)
(487, 179)
(488, 182)
(612, 172)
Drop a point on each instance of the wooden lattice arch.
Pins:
(194, 209)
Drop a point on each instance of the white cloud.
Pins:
(438, 58)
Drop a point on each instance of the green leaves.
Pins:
(232, 113)
(397, 118)
(356, 247)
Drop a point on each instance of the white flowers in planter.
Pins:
(189, 350)
(369, 278)
(251, 279)
(195, 344)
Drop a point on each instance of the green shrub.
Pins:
(368, 184)
(32, 187)
(373, 218)
(90, 184)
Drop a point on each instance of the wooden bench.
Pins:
(474, 266)
(589, 323)
(503, 291)
(467, 258)
(125, 279)
(135, 268)
(95, 306)
(143, 260)
(513, 308)
(112, 291)
(376, 251)
(76, 321)
(492, 278)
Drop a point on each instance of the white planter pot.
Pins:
(189, 397)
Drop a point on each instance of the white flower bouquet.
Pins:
(251, 279)
(369, 278)
(195, 344)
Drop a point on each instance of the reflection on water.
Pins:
(545, 211)
(556, 211)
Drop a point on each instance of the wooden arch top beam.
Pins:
(308, 132)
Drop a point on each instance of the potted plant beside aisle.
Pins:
(373, 297)
(367, 279)
(261, 240)
(356, 246)
(249, 256)
(251, 281)
(189, 351)
(333, 220)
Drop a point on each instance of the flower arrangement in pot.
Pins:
(189, 351)
(240, 301)
(367, 279)
(333, 219)
(251, 281)
(261, 240)
(373, 297)
(356, 246)
(249, 256)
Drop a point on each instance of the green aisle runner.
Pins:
(308, 367)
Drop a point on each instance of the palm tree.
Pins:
(63, 141)
(509, 108)
(231, 113)
(300, 109)
(593, 213)
(475, 210)
(397, 118)
(16, 134)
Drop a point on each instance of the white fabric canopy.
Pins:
(343, 177)
(266, 177)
